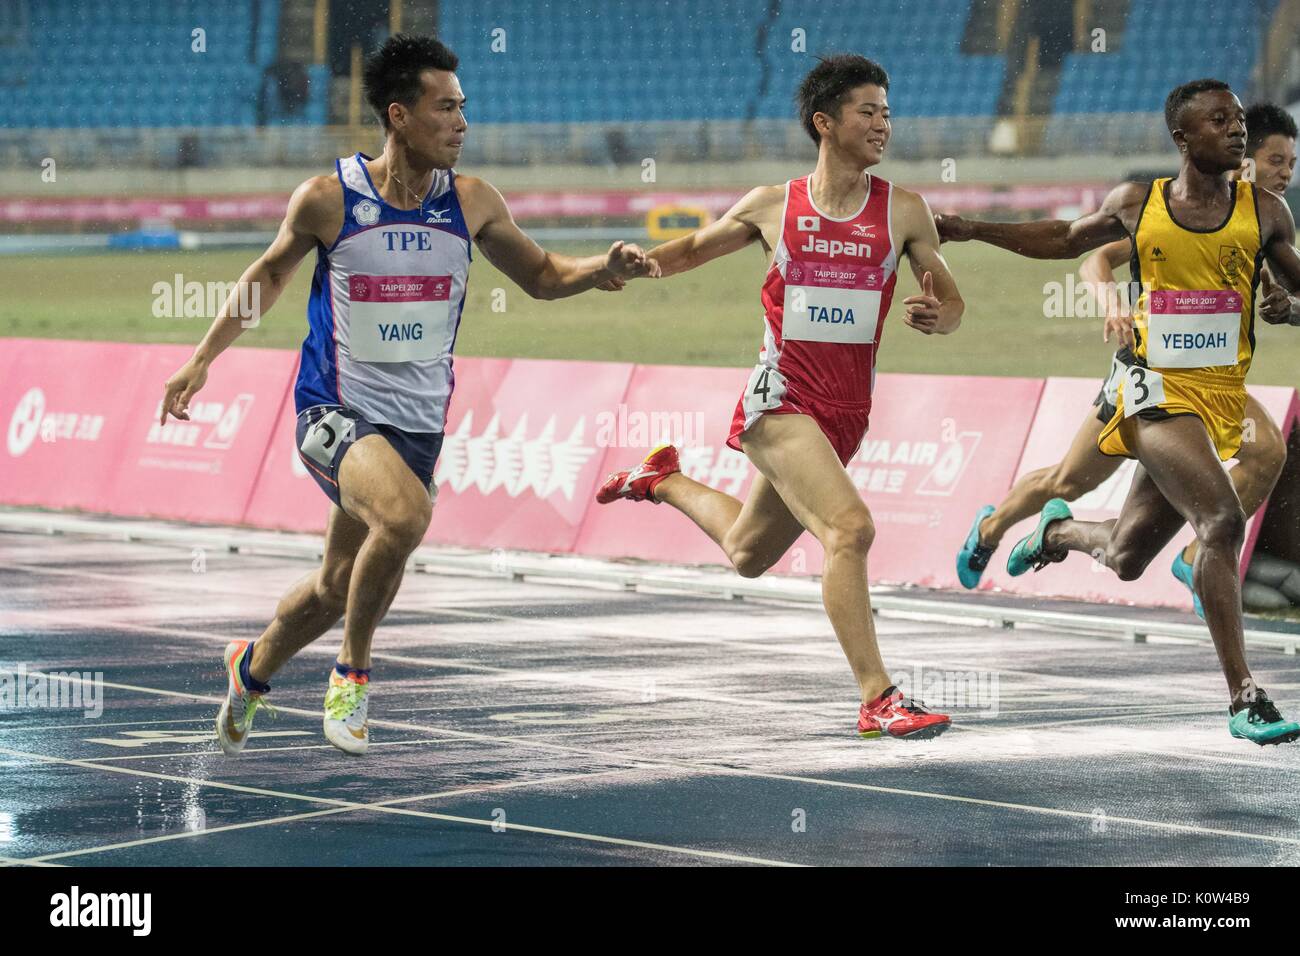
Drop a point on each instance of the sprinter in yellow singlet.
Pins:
(1199, 241)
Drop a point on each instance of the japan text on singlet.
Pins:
(826, 294)
(386, 302)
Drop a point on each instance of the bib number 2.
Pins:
(1143, 388)
(325, 435)
(764, 391)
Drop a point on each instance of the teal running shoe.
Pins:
(1028, 554)
(1182, 570)
(974, 557)
(1261, 723)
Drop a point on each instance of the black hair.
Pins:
(392, 73)
(1180, 96)
(1264, 120)
(827, 85)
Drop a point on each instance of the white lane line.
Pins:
(569, 679)
(95, 725)
(403, 811)
(563, 678)
(825, 647)
(19, 861)
(704, 767)
(254, 751)
(295, 817)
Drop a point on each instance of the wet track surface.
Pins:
(536, 723)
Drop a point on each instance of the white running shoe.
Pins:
(346, 707)
(235, 718)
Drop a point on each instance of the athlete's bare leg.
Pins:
(1259, 464)
(801, 484)
(366, 547)
(1181, 479)
(753, 533)
(313, 605)
(1082, 469)
(378, 488)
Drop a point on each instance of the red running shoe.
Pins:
(893, 715)
(639, 483)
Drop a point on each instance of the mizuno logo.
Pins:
(439, 215)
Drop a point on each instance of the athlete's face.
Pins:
(863, 127)
(1275, 163)
(434, 127)
(1213, 131)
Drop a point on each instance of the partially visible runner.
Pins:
(835, 238)
(1199, 241)
(1271, 148)
(392, 238)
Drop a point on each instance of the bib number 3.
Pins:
(1143, 388)
(764, 391)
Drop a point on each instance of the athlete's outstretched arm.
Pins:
(1052, 238)
(939, 307)
(257, 290)
(1098, 272)
(543, 274)
(740, 226)
(1278, 227)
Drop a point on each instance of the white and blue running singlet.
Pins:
(385, 305)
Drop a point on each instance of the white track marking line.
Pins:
(824, 649)
(18, 861)
(403, 811)
(701, 767)
(253, 751)
(570, 679)
(294, 817)
(565, 678)
(9, 728)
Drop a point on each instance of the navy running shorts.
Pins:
(326, 432)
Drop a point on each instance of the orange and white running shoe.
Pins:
(235, 718)
(893, 715)
(639, 483)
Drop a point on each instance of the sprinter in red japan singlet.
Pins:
(835, 238)
(824, 304)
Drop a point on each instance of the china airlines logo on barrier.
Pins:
(31, 419)
(513, 461)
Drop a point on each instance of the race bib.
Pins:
(764, 391)
(1194, 329)
(397, 318)
(323, 437)
(1143, 388)
(828, 302)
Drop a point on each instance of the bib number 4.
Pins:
(764, 391)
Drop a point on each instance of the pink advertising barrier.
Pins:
(204, 469)
(521, 459)
(1064, 404)
(519, 463)
(538, 204)
(931, 457)
(66, 408)
(528, 442)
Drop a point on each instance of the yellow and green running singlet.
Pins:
(1194, 320)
